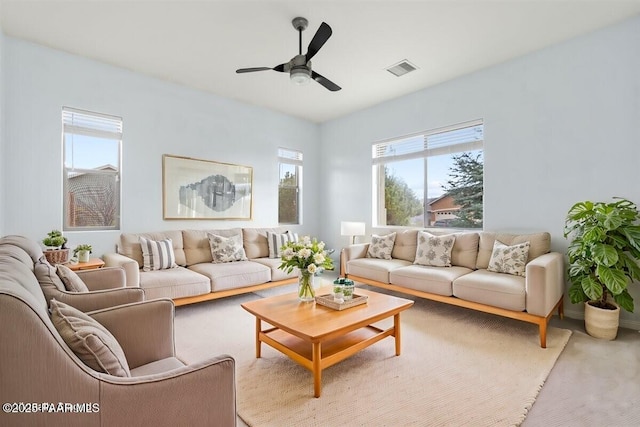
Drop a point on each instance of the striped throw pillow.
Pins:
(277, 240)
(157, 254)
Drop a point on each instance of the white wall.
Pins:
(159, 118)
(2, 138)
(561, 126)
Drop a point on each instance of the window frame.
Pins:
(96, 125)
(292, 157)
(410, 151)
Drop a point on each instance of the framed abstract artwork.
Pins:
(204, 189)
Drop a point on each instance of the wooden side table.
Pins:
(93, 263)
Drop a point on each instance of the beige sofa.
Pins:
(197, 278)
(467, 282)
(38, 368)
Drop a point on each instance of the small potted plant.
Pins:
(603, 255)
(82, 252)
(57, 251)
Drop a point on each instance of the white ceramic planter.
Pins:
(601, 323)
(83, 256)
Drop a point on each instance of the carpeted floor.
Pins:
(458, 367)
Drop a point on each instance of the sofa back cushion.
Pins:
(255, 241)
(196, 244)
(130, 245)
(465, 250)
(405, 245)
(539, 244)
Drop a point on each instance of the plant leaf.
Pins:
(625, 301)
(591, 288)
(605, 254)
(613, 279)
(632, 233)
(631, 265)
(576, 294)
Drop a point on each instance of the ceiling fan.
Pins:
(299, 67)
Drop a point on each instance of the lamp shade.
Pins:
(349, 228)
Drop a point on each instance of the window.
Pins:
(432, 179)
(289, 186)
(91, 181)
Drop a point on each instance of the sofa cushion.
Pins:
(233, 275)
(404, 246)
(197, 248)
(157, 254)
(130, 245)
(374, 268)
(276, 273)
(255, 241)
(89, 340)
(436, 280)
(226, 249)
(276, 240)
(381, 246)
(72, 282)
(539, 244)
(433, 250)
(174, 283)
(465, 250)
(509, 259)
(496, 289)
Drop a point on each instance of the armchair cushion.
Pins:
(71, 281)
(89, 340)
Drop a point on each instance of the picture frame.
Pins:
(205, 189)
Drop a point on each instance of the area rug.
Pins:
(458, 367)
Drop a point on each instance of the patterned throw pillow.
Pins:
(89, 340)
(157, 254)
(509, 259)
(72, 282)
(277, 240)
(226, 249)
(434, 250)
(381, 246)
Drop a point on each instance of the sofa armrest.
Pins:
(95, 300)
(352, 252)
(544, 284)
(202, 394)
(131, 267)
(143, 329)
(103, 278)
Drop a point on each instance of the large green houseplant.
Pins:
(603, 252)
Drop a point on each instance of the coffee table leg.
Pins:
(258, 344)
(317, 370)
(396, 332)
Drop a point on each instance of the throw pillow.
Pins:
(89, 340)
(381, 246)
(157, 254)
(434, 250)
(72, 282)
(276, 241)
(509, 259)
(226, 249)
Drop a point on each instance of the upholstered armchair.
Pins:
(105, 287)
(45, 380)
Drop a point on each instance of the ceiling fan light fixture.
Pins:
(300, 76)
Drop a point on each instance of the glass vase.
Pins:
(306, 291)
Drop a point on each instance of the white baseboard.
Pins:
(624, 323)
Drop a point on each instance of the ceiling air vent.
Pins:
(401, 68)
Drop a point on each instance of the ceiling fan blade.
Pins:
(251, 70)
(321, 37)
(279, 68)
(325, 82)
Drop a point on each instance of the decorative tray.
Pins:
(327, 301)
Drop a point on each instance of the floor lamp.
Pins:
(353, 229)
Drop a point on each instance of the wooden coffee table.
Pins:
(316, 336)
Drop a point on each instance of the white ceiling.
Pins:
(201, 43)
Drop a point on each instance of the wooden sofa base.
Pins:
(541, 321)
(231, 292)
